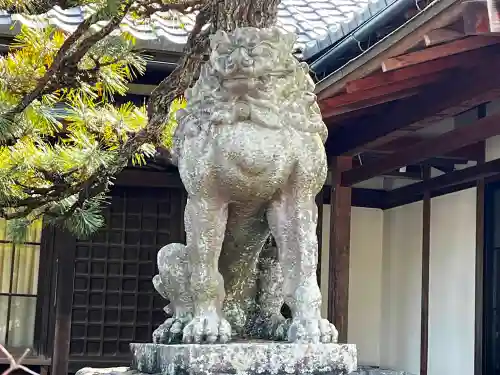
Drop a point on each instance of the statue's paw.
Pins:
(280, 329)
(169, 332)
(207, 328)
(312, 330)
(235, 315)
(268, 327)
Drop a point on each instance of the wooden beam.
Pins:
(436, 52)
(145, 178)
(479, 131)
(458, 93)
(465, 59)
(458, 177)
(401, 40)
(367, 103)
(440, 36)
(404, 175)
(470, 152)
(340, 231)
(424, 306)
(353, 98)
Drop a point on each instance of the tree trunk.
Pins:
(230, 14)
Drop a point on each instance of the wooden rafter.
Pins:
(440, 36)
(396, 86)
(464, 92)
(469, 152)
(379, 93)
(356, 108)
(439, 15)
(393, 80)
(388, 78)
(479, 131)
(439, 51)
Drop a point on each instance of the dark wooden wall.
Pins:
(99, 297)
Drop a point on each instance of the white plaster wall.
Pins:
(452, 284)
(364, 280)
(385, 284)
(401, 288)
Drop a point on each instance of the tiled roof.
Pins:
(317, 23)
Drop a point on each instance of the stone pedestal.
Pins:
(245, 358)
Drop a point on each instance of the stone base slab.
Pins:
(246, 358)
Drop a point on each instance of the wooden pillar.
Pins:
(479, 296)
(426, 246)
(65, 248)
(479, 279)
(319, 233)
(340, 233)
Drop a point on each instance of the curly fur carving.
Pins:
(250, 152)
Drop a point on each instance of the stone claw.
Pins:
(169, 332)
(208, 328)
(312, 330)
(269, 327)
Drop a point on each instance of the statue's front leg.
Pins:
(205, 220)
(292, 218)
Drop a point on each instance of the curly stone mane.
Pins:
(273, 88)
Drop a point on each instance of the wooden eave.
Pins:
(385, 110)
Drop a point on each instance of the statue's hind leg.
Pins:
(205, 220)
(268, 322)
(246, 232)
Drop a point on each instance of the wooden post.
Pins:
(65, 250)
(480, 237)
(319, 233)
(426, 246)
(340, 233)
(479, 297)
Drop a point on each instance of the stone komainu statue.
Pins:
(249, 147)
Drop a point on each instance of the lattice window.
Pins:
(19, 267)
(114, 300)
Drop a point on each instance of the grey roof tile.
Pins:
(318, 23)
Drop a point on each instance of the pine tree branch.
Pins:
(215, 13)
(37, 7)
(64, 67)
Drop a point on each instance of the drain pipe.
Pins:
(332, 59)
